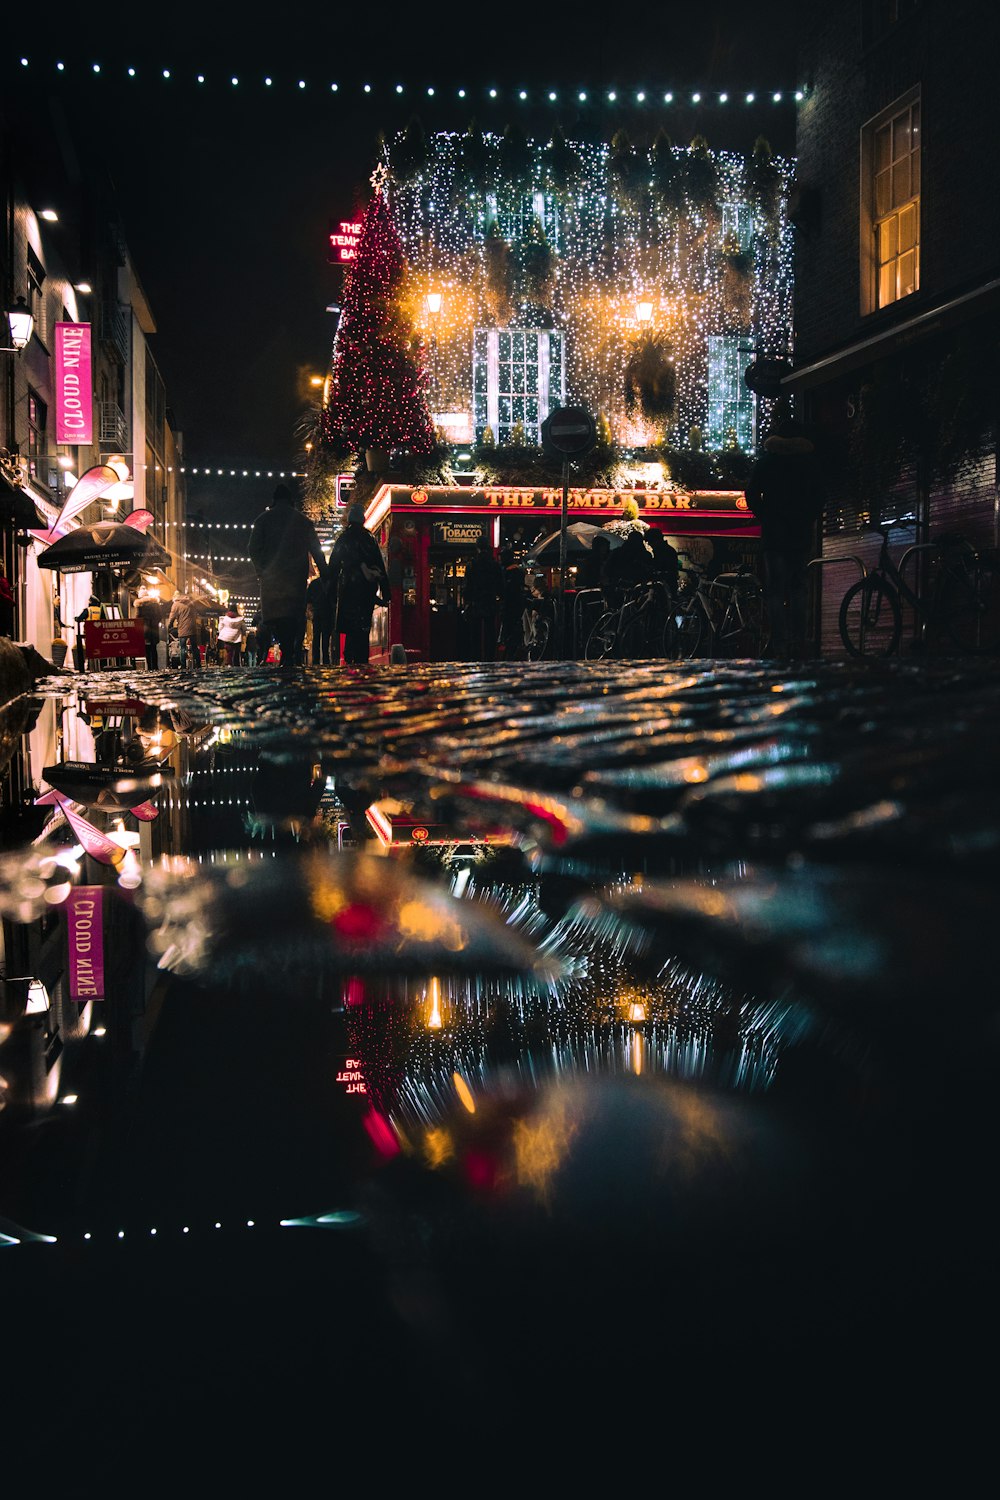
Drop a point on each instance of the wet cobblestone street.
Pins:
(536, 996)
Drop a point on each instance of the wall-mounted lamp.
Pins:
(20, 322)
(644, 312)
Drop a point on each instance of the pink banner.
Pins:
(74, 384)
(85, 930)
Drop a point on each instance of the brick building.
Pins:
(897, 293)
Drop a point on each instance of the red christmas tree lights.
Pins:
(376, 394)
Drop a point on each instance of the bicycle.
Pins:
(638, 627)
(961, 603)
(720, 616)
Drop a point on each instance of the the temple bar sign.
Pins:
(608, 502)
(343, 240)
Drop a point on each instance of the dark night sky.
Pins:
(226, 193)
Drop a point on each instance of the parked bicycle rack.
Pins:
(582, 600)
(821, 562)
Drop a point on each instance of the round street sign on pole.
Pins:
(568, 432)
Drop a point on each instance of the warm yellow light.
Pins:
(316, 379)
(433, 302)
(464, 1093)
(644, 312)
(434, 1018)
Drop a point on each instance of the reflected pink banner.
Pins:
(74, 384)
(85, 933)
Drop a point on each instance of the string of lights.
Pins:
(298, 84)
(229, 473)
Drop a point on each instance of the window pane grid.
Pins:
(895, 201)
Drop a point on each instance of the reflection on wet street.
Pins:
(554, 1014)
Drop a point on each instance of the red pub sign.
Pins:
(113, 638)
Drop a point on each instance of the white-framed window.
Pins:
(730, 401)
(890, 206)
(513, 219)
(518, 377)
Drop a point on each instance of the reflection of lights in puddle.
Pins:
(434, 1017)
(464, 1093)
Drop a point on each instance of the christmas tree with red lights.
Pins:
(376, 395)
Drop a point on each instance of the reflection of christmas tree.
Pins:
(376, 387)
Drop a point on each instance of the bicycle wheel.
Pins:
(742, 630)
(968, 606)
(683, 633)
(601, 640)
(540, 637)
(870, 619)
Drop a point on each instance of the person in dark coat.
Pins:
(321, 602)
(483, 592)
(281, 543)
(785, 494)
(512, 606)
(150, 611)
(628, 565)
(666, 563)
(359, 575)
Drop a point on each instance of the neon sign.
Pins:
(343, 240)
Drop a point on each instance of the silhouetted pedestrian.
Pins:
(361, 580)
(483, 593)
(281, 543)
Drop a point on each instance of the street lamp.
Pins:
(20, 322)
(644, 312)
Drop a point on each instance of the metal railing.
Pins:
(114, 428)
(115, 328)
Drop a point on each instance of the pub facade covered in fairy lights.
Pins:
(526, 276)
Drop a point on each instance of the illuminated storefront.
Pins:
(428, 535)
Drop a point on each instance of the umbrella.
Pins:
(105, 544)
(107, 788)
(579, 541)
(18, 507)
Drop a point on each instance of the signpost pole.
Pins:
(563, 550)
(569, 431)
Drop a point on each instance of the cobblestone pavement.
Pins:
(689, 969)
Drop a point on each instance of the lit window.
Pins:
(891, 221)
(518, 377)
(730, 401)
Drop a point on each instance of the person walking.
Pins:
(185, 617)
(785, 494)
(321, 602)
(360, 578)
(282, 540)
(512, 605)
(483, 593)
(232, 637)
(150, 612)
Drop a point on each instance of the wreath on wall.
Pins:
(650, 383)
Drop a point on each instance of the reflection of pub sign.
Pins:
(458, 533)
